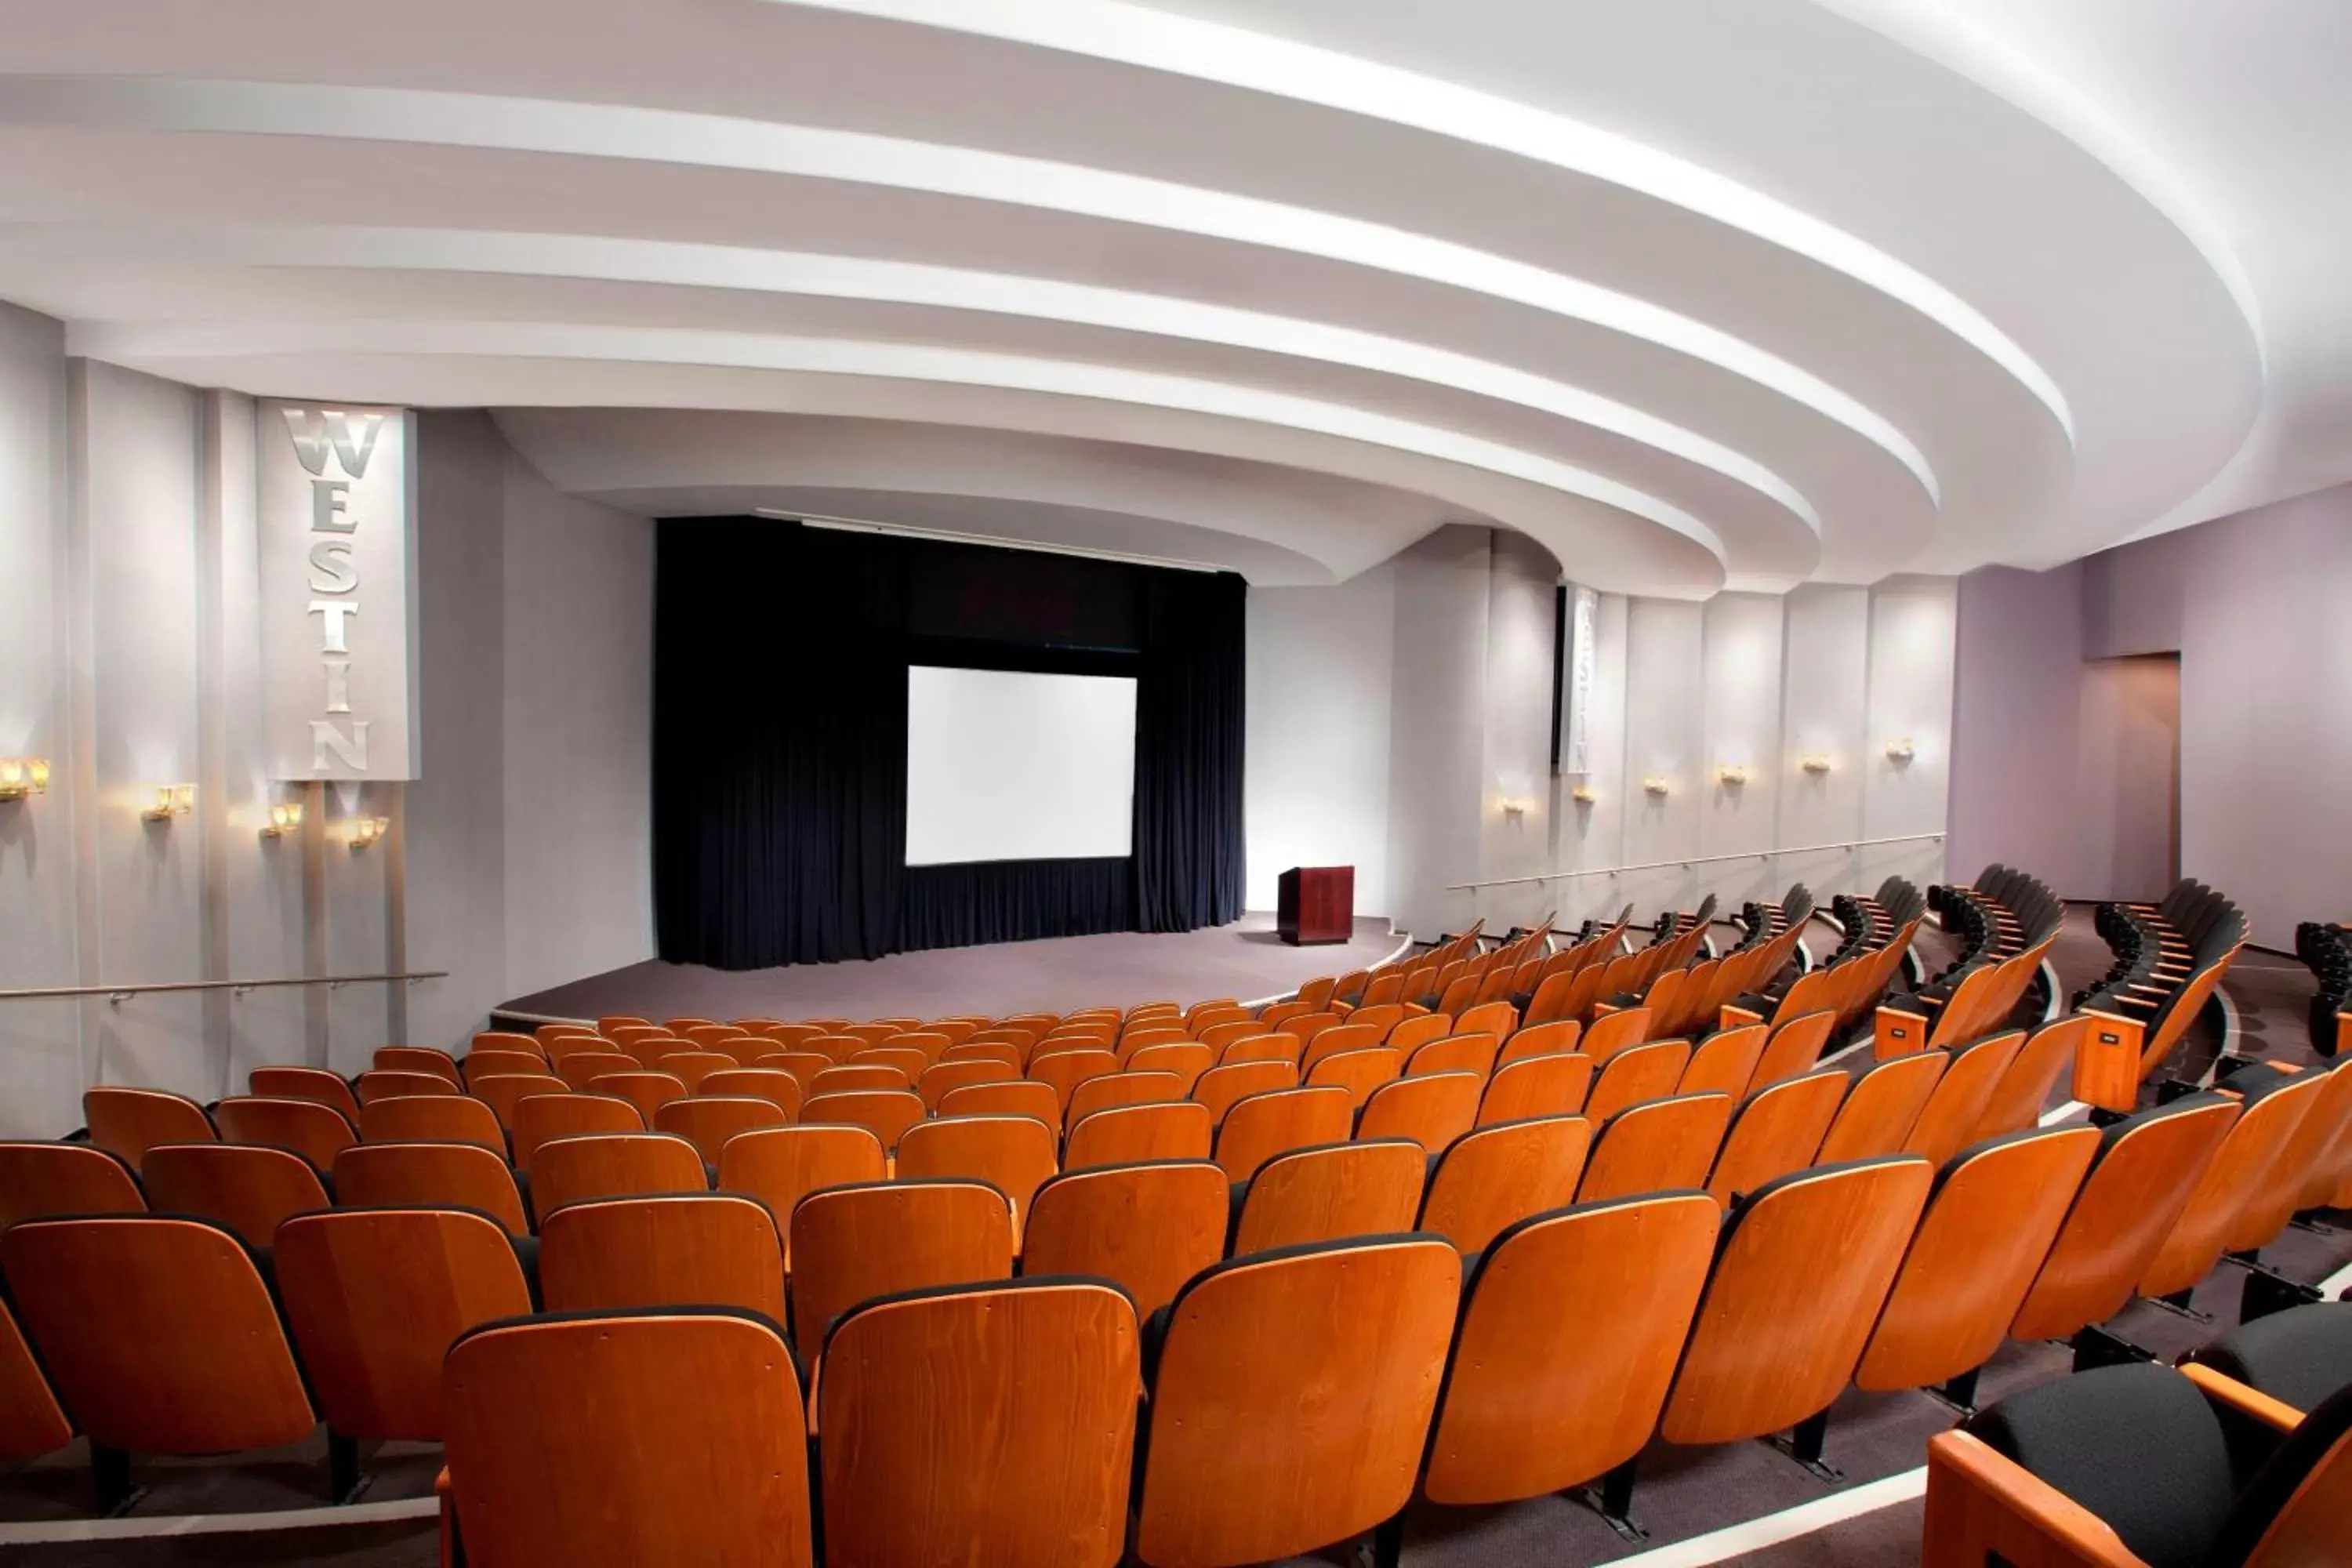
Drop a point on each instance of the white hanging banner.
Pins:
(1575, 741)
(338, 538)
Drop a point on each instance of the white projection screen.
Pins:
(1014, 765)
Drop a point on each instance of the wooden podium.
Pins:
(1317, 904)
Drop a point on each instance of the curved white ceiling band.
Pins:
(645, 135)
(690, 265)
(900, 361)
(1235, 56)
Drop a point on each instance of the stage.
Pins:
(1244, 960)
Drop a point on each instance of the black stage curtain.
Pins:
(779, 740)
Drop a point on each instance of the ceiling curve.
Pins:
(1698, 294)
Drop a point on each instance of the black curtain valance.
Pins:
(779, 740)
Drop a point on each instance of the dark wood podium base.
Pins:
(1317, 905)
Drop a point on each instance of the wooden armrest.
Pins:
(2134, 1003)
(452, 1552)
(2229, 1394)
(1979, 1505)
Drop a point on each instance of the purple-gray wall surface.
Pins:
(2255, 606)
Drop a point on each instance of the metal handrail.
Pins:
(123, 993)
(1686, 861)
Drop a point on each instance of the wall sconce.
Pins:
(1514, 805)
(283, 819)
(1732, 775)
(23, 776)
(1654, 784)
(1584, 794)
(1815, 763)
(369, 831)
(171, 801)
(1900, 750)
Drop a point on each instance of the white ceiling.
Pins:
(1698, 293)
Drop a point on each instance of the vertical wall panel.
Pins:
(1912, 624)
(1826, 694)
(1742, 705)
(1437, 746)
(1591, 836)
(1523, 581)
(1664, 738)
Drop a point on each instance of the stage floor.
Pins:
(1244, 960)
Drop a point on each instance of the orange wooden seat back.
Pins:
(2243, 1171)
(1568, 1341)
(782, 1165)
(690, 1068)
(707, 1121)
(502, 1092)
(376, 1297)
(2017, 1100)
(1614, 1031)
(1332, 1191)
(481, 1064)
(430, 1175)
(1009, 1097)
(55, 1181)
(1472, 1053)
(1725, 1062)
(315, 1132)
(1559, 1037)
(158, 1334)
(32, 1422)
(613, 1165)
(1264, 1125)
(1187, 1060)
(1636, 1074)
(129, 1122)
(1064, 1070)
(1802, 1269)
(319, 1084)
(1554, 1084)
(1129, 1087)
(581, 1069)
(1014, 1458)
(1236, 1469)
(677, 1249)
(779, 1088)
(1883, 1107)
(954, 1073)
(541, 1119)
(1793, 1049)
(851, 1244)
(1221, 1086)
(1496, 1177)
(1124, 1134)
(1014, 1154)
(646, 1090)
(1359, 1072)
(1433, 1111)
(623, 1470)
(1417, 1030)
(1147, 1227)
(1778, 1129)
(1995, 1210)
(1659, 1145)
(419, 1058)
(246, 1188)
(1960, 1097)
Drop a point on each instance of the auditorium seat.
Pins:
(611, 1166)
(1960, 1096)
(1359, 1072)
(1221, 1086)
(1147, 1227)
(1014, 1154)
(708, 1121)
(1883, 1107)
(1471, 1053)
(2306, 1160)
(2243, 1169)
(380, 1084)
(1778, 1129)
(1571, 1327)
(480, 1064)
(2017, 1101)
(1996, 1209)
(802, 1067)
(1159, 1032)
(2134, 1467)
(606, 1024)
(1002, 1097)
(160, 1335)
(1380, 1020)
(129, 1122)
(851, 1078)
(1793, 1049)
(1551, 1085)
(541, 1120)
(2298, 1357)
(1217, 1037)
(1330, 1191)
(1064, 1070)
(625, 1470)
(1490, 1179)
(834, 1049)
(1281, 1046)
(32, 1422)
(1187, 1060)
(690, 1068)
(1558, 1037)
(418, 1059)
(1017, 1458)
(782, 1165)
(678, 1249)
(780, 1090)
(578, 1069)
(1431, 1111)
(1260, 1126)
(310, 1130)
(2146, 1167)
(1803, 1268)
(56, 1180)
(507, 1040)
(1608, 1035)
(1130, 1087)
(852, 1244)
(431, 1175)
(1725, 1062)
(885, 1112)
(316, 1084)
(1655, 1146)
(1004, 1053)
(503, 1091)
(374, 1299)
(246, 1188)
(1642, 1072)
(1125, 1135)
(1235, 1469)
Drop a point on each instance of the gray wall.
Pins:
(2253, 606)
(129, 658)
